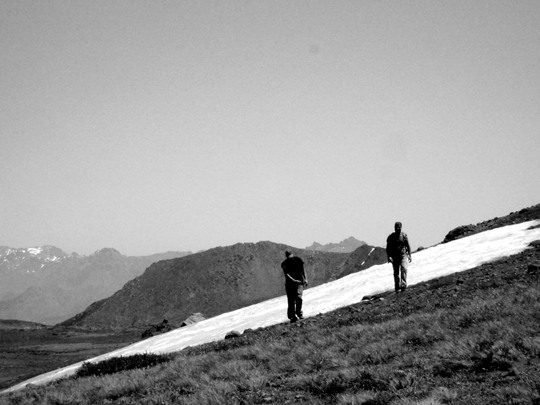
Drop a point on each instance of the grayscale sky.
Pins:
(150, 126)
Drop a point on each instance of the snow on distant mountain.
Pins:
(30, 259)
(46, 285)
(345, 246)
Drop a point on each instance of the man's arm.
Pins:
(388, 247)
(304, 276)
(408, 248)
(293, 279)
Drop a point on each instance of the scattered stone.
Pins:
(193, 318)
(533, 268)
(372, 298)
(513, 372)
(157, 329)
(233, 334)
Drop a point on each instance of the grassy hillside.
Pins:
(467, 338)
(470, 338)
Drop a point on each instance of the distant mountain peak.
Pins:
(107, 251)
(42, 252)
(345, 246)
(46, 285)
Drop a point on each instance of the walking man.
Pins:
(398, 251)
(295, 281)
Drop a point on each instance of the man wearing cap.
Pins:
(295, 281)
(398, 251)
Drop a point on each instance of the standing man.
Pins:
(398, 251)
(295, 281)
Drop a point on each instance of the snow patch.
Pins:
(371, 251)
(452, 257)
(34, 251)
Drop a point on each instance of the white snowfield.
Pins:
(440, 260)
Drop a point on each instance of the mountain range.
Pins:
(345, 246)
(46, 285)
(223, 279)
(215, 281)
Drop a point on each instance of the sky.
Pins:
(453, 257)
(149, 126)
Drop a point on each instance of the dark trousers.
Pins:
(400, 265)
(294, 300)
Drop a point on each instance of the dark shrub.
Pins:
(117, 364)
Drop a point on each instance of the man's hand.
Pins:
(410, 258)
(305, 283)
(390, 260)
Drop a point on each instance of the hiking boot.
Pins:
(293, 320)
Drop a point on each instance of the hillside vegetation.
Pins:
(467, 338)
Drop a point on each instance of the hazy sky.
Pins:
(150, 126)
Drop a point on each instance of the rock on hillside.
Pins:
(345, 246)
(212, 282)
(45, 285)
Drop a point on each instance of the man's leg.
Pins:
(404, 267)
(299, 301)
(291, 297)
(396, 266)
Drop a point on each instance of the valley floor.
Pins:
(30, 352)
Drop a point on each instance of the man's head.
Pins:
(288, 254)
(398, 226)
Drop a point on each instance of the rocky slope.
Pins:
(525, 214)
(362, 258)
(46, 285)
(212, 282)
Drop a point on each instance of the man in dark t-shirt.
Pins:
(398, 251)
(295, 281)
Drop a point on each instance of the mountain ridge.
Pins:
(345, 246)
(212, 282)
(46, 285)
